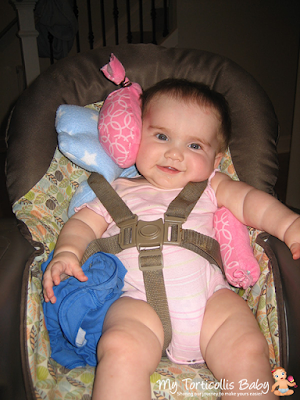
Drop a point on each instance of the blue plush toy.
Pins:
(78, 140)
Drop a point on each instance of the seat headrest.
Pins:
(78, 80)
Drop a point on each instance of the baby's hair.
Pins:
(278, 368)
(197, 92)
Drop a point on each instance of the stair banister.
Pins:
(28, 35)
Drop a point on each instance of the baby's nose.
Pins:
(174, 153)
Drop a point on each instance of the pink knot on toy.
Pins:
(120, 120)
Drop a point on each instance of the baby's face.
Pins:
(179, 143)
(279, 374)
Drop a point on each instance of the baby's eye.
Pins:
(161, 136)
(195, 146)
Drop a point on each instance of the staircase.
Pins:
(100, 23)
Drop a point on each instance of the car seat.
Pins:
(41, 182)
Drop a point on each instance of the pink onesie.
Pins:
(189, 279)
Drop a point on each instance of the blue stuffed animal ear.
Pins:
(77, 129)
(78, 140)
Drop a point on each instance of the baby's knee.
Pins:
(129, 346)
(115, 341)
(251, 345)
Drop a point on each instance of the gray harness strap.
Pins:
(149, 238)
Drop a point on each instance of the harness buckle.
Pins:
(150, 234)
(127, 236)
(149, 237)
(149, 244)
(173, 230)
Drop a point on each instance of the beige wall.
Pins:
(260, 35)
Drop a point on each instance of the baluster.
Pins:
(153, 17)
(50, 39)
(75, 9)
(166, 18)
(141, 21)
(91, 34)
(129, 34)
(116, 16)
(28, 35)
(103, 23)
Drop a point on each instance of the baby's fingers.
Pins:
(58, 270)
(79, 274)
(48, 288)
(52, 276)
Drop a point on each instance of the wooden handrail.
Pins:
(8, 27)
(134, 18)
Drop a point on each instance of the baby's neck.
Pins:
(141, 180)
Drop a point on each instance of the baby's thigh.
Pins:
(228, 322)
(132, 324)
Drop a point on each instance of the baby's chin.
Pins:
(167, 178)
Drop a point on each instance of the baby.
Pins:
(186, 129)
(282, 385)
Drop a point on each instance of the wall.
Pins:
(260, 35)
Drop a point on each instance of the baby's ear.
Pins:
(218, 159)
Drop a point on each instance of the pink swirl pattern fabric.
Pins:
(240, 265)
(120, 120)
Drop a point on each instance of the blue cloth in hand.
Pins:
(75, 321)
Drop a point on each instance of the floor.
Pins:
(5, 208)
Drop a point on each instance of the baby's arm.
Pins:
(259, 210)
(77, 233)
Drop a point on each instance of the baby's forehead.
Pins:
(278, 371)
(202, 103)
(160, 105)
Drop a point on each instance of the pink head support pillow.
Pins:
(120, 120)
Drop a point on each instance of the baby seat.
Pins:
(41, 182)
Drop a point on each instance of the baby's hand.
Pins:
(63, 264)
(292, 238)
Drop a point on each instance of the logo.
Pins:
(282, 385)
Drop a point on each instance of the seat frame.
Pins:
(32, 140)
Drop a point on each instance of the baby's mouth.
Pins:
(168, 169)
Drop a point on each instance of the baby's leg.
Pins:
(234, 348)
(128, 352)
